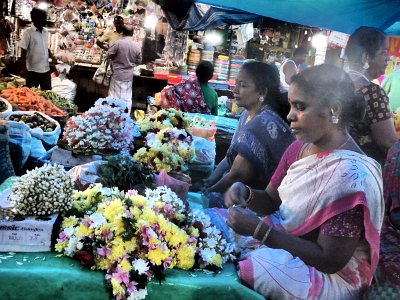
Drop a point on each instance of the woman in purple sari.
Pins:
(261, 136)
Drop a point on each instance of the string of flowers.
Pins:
(104, 128)
(135, 238)
(169, 149)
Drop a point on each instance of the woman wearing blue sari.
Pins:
(261, 137)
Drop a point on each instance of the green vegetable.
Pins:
(60, 101)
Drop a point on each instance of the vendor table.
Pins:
(47, 275)
(38, 276)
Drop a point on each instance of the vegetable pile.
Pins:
(59, 101)
(42, 191)
(34, 121)
(27, 100)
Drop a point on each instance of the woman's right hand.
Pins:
(236, 195)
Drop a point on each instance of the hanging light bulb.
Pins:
(305, 32)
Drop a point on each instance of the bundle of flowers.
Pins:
(104, 128)
(165, 118)
(169, 149)
(135, 238)
(42, 191)
(201, 122)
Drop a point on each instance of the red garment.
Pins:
(185, 96)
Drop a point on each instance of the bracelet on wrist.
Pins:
(259, 225)
(251, 195)
(266, 235)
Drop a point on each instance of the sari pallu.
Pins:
(315, 189)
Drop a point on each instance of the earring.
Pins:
(334, 119)
(366, 66)
(261, 99)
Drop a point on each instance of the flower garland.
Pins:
(135, 238)
(104, 128)
(169, 149)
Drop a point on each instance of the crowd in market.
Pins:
(311, 196)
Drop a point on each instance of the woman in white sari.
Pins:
(318, 237)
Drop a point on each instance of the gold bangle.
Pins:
(266, 235)
(251, 195)
(258, 228)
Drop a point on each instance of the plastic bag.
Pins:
(86, 174)
(20, 141)
(8, 111)
(64, 87)
(6, 166)
(102, 76)
(205, 151)
(181, 188)
(39, 138)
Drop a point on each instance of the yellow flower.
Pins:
(158, 255)
(130, 246)
(125, 265)
(138, 200)
(104, 263)
(114, 209)
(193, 231)
(217, 260)
(150, 216)
(118, 226)
(136, 212)
(117, 287)
(70, 221)
(61, 246)
(185, 257)
(83, 230)
(180, 237)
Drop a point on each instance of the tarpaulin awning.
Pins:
(202, 17)
(341, 15)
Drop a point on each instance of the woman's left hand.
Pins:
(242, 220)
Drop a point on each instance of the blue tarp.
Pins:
(341, 15)
(201, 18)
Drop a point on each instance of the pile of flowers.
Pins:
(165, 118)
(135, 238)
(169, 149)
(104, 128)
(201, 122)
(42, 191)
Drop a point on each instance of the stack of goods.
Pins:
(236, 63)
(207, 55)
(221, 69)
(193, 60)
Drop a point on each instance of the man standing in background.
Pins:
(290, 67)
(35, 52)
(124, 54)
(109, 38)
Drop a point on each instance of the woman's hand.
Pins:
(236, 195)
(242, 220)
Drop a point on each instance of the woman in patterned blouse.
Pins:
(366, 55)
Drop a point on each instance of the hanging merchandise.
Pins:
(175, 47)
